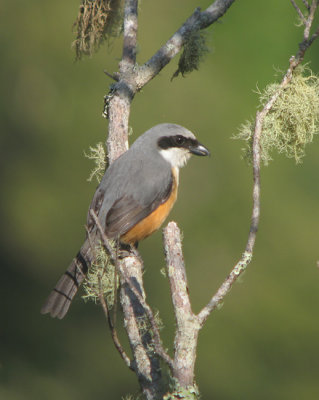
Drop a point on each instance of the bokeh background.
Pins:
(263, 343)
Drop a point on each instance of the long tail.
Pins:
(59, 300)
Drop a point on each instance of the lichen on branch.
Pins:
(292, 121)
(101, 278)
(97, 154)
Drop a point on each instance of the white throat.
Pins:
(176, 156)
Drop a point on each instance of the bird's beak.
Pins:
(199, 150)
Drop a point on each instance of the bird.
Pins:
(134, 197)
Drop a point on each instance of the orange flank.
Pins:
(153, 221)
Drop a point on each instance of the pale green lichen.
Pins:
(291, 123)
(243, 263)
(194, 50)
(131, 397)
(97, 154)
(163, 272)
(101, 278)
(189, 393)
(145, 326)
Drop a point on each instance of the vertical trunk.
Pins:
(187, 323)
(185, 352)
(119, 112)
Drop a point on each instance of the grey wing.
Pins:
(127, 211)
(132, 187)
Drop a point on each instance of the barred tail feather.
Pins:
(59, 300)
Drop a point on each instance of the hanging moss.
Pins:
(194, 50)
(96, 20)
(291, 123)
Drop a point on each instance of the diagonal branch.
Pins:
(314, 36)
(310, 18)
(302, 17)
(115, 338)
(132, 78)
(306, 4)
(198, 20)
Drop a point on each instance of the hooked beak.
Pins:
(199, 150)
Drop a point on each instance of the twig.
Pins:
(299, 11)
(306, 4)
(310, 18)
(115, 283)
(260, 116)
(314, 36)
(103, 236)
(114, 76)
(115, 338)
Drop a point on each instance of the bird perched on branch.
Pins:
(133, 199)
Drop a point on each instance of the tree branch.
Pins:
(115, 338)
(122, 93)
(306, 4)
(129, 280)
(187, 326)
(302, 17)
(130, 35)
(130, 79)
(155, 330)
(310, 18)
(198, 20)
(260, 116)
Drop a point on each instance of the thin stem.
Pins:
(310, 18)
(115, 283)
(314, 36)
(299, 11)
(306, 4)
(260, 116)
(115, 338)
(104, 238)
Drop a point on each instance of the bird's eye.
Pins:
(180, 140)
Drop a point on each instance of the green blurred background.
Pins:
(263, 343)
